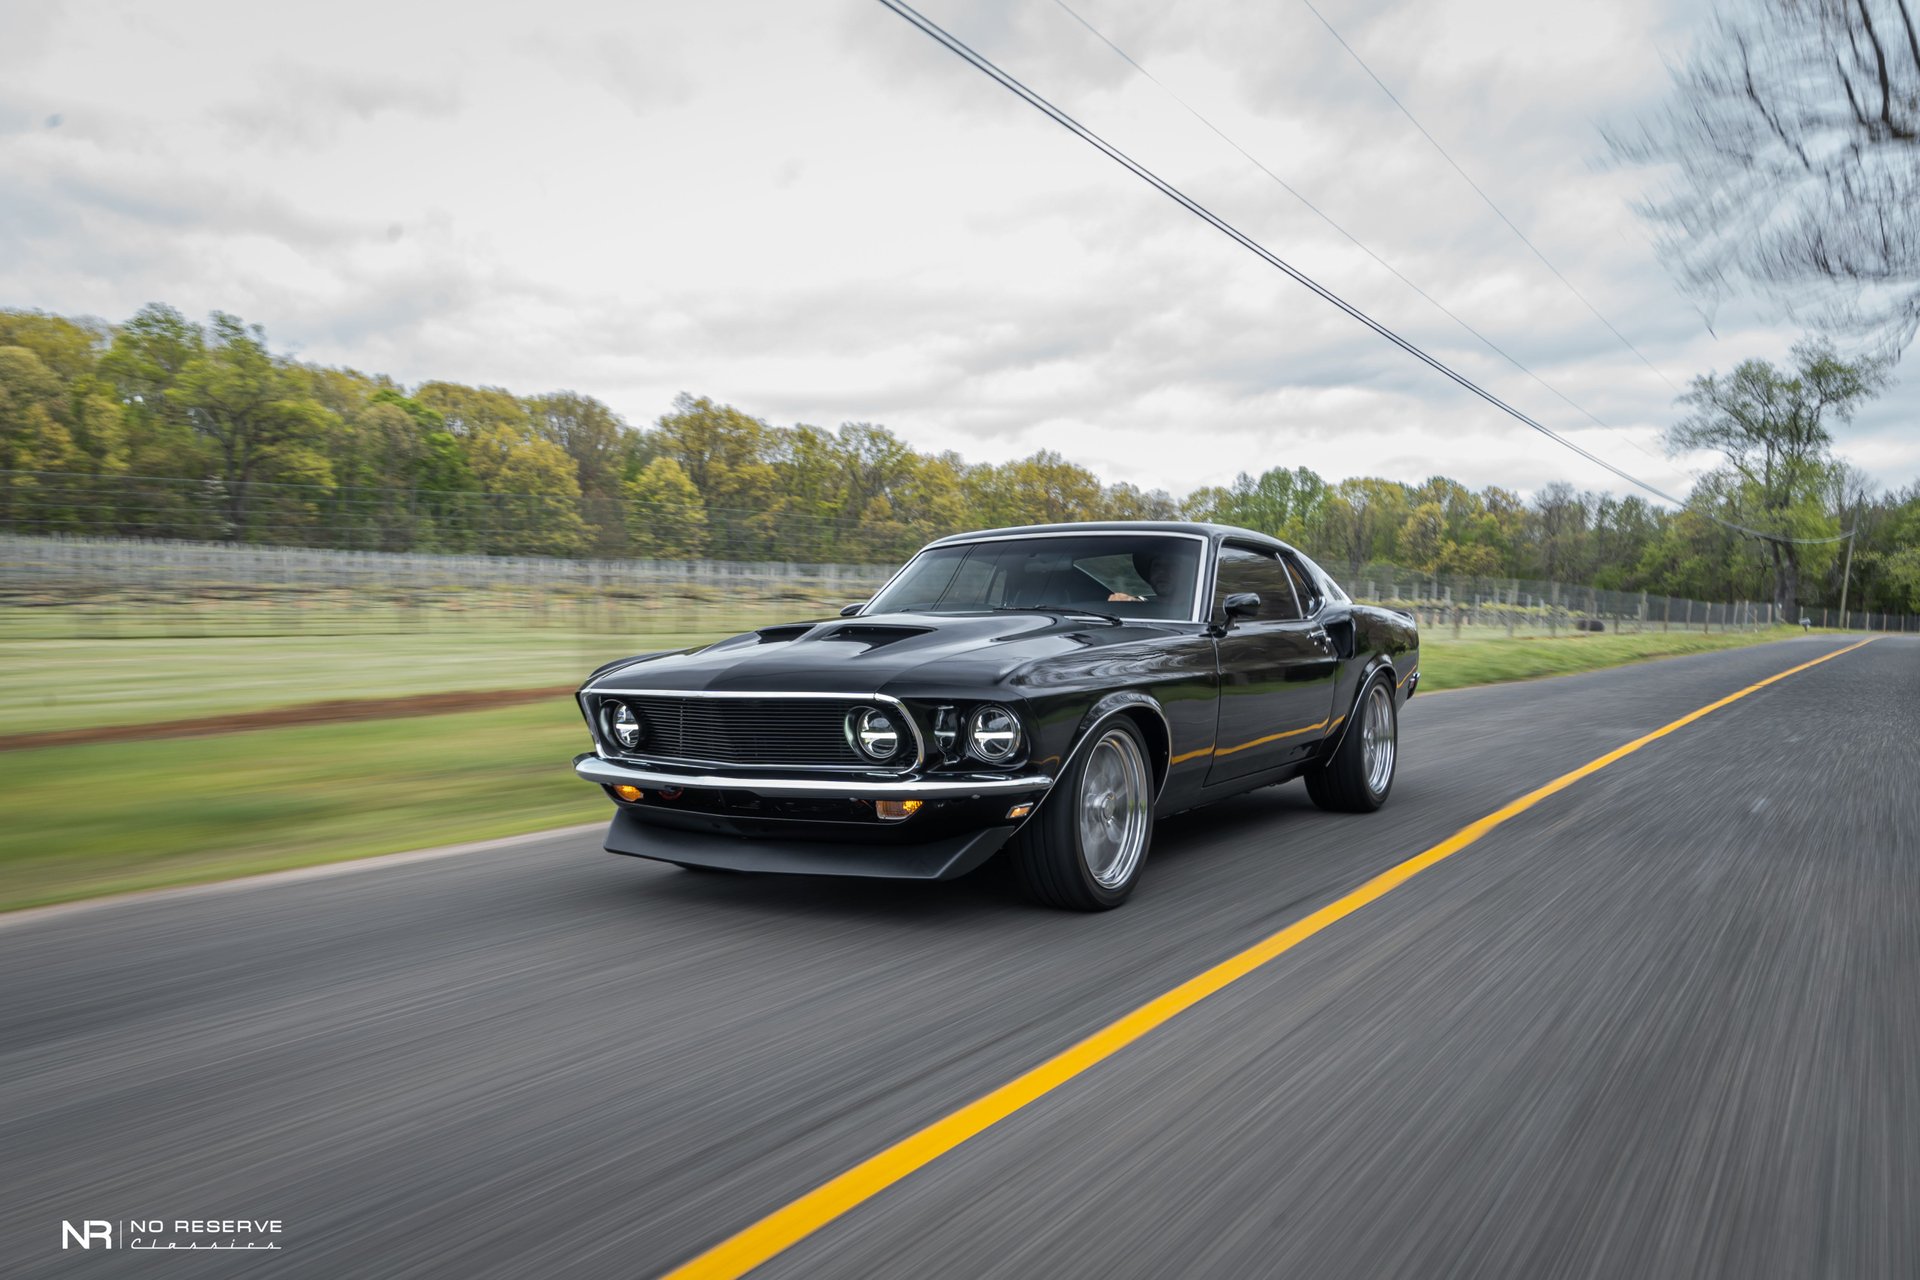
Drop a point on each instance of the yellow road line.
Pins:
(738, 1254)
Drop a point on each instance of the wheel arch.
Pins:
(1146, 715)
(1377, 667)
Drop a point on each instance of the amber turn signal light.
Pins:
(628, 793)
(1019, 811)
(896, 810)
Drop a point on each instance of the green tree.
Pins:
(593, 436)
(1423, 537)
(1771, 427)
(469, 412)
(1042, 489)
(730, 458)
(32, 437)
(254, 413)
(533, 501)
(1362, 521)
(667, 519)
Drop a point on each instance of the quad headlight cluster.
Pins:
(991, 733)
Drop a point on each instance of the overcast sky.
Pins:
(811, 211)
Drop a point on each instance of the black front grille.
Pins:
(796, 732)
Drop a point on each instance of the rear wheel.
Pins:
(1083, 851)
(1360, 774)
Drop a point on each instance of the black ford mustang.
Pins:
(1050, 689)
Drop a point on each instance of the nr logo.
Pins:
(87, 1234)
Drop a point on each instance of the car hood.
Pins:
(928, 654)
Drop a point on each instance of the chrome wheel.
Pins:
(1115, 809)
(1377, 733)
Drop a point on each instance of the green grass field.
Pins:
(68, 684)
(96, 819)
(88, 820)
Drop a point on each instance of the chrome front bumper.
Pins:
(610, 773)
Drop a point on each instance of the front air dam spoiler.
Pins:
(935, 860)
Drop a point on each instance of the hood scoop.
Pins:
(873, 635)
(780, 635)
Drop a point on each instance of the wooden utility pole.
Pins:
(1847, 572)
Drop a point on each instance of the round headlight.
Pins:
(622, 725)
(875, 732)
(993, 734)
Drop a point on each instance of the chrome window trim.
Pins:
(1293, 559)
(608, 773)
(1199, 578)
(919, 743)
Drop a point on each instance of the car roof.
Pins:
(1213, 532)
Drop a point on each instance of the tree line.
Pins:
(166, 427)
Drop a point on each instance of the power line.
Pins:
(1317, 212)
(986, 66)
(1498, 212)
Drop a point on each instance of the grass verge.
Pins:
(83, 821)
(1457, 664)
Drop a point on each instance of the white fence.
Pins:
(110, 586)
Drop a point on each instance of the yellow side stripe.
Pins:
(740, 1253)
(1272, 737)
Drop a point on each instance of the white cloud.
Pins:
(815, 213)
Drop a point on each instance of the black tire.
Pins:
(1048, 856)
(1349, 782)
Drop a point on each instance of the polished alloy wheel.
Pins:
(1377, 738)
(1116, 805)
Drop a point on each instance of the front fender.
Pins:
(1159, 734)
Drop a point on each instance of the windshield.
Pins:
(1128, 575)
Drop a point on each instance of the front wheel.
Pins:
(1084, 849)
(1360, 774)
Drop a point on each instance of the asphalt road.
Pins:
(1666, 1023)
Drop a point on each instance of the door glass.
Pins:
(1244, 569)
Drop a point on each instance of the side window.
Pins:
(1329, 589)
(1245, 569)
(1303, 587)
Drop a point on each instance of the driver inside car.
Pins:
(1156, 570)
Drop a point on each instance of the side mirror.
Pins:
(848, 610)
(1242, 604)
